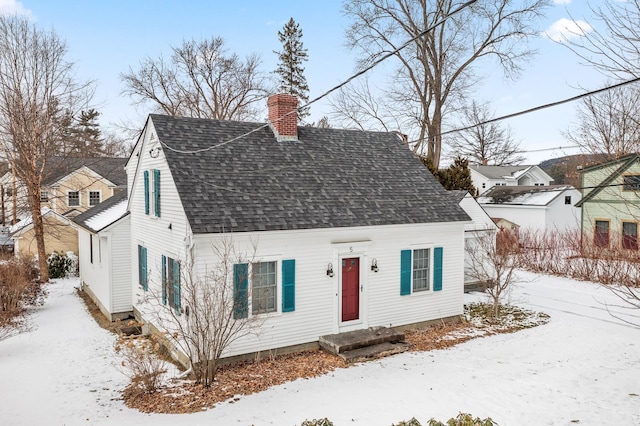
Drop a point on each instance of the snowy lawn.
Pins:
(583, 367)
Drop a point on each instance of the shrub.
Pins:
(19, 288)
(464, 419)
(140, 362)
(318, 422)
(60, 266)
(412, 422)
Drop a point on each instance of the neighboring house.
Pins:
(345, 229)
(481, 225)
(105, 259)
(486, 177)
(60, 235)
(537, 208)
(611, 203)
(506, 225)
(69, 186)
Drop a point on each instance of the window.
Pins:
(484, 185)
(171, 283)
(146, 191)
(567, 199)
(142, 268)
(263, 288)
(44, 196)
(601, 236)
(538, 184)
(90, 248)
(631, 183)
(73, 198)
(630, 235)
(8, 191)
(420, 270)
(94, 198)
(156, 193)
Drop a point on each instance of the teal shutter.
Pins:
(146, 192)
(164, 280)
(288, 285)
(437, 269)
(240, 291)
(142, 260)
(405, 272)
(156, 192)
(176, 286)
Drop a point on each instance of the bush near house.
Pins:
(19, 289)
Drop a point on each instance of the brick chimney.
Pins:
(285, 126)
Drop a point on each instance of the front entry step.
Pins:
(373, 352)
(359, 345)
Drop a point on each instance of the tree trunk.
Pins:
(38, 229)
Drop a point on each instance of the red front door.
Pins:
(350, 289)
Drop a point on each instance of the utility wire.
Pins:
(333, 89)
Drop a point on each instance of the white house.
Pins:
(345, 229)
(534, 207)
(104, 257)
(486, 177)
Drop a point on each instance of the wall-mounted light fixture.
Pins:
(330, 269)
(154, 152)
(374, 265)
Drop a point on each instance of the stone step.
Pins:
(343, 342)
(373, 352)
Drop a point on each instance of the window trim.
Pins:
(69, 199)
(169, 284)
(44, 196)
(429, 270)
(430, 290)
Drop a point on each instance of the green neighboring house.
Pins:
(611, 203)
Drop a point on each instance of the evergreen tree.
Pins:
(290, 70)
(84, 138)
(457, 176)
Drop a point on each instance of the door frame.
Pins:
(349, 250)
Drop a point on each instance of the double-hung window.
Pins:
(142, 267)
(73, 198)
(601, 236)
(630, 235)
(171, 283)
(94, 198)
(263, 288)
(420, 270)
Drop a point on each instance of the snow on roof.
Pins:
(107, 216)
(26, 221)
(523, 195)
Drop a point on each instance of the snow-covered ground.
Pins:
(581, 368)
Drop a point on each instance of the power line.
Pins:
(333, 89)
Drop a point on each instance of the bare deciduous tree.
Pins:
(37, 87)
(613, 47)
(486, 144)
(492, 259)
(608, 123)
(202, 79)
(436, 70)
(214, 313)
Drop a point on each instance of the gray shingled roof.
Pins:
(329, 178)
(497, 172)
(108, 167)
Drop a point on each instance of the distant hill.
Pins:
(564, 170)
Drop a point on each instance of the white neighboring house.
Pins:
(480, 225)
(486, 177)
(104, 259)
(534, 207)
(348, 228)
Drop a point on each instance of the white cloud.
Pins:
(13, 7)
(565, 29)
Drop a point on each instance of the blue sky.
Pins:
(105, 38)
